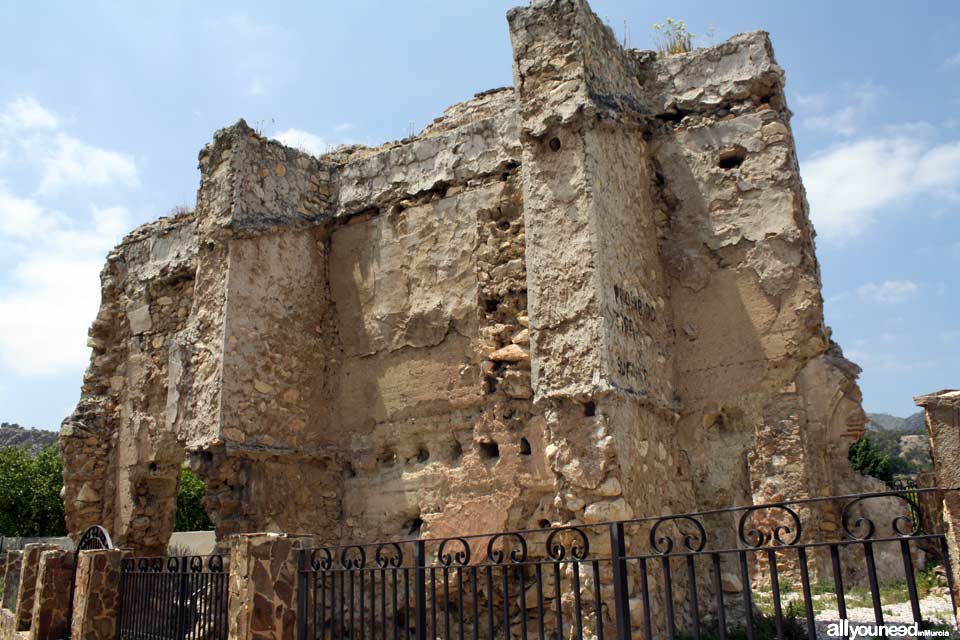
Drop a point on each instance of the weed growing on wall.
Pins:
(672, 37)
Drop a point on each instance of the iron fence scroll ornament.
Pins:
(321, 559)
(460, 557)
(692, 542)
(518, 555)
(388, 554)
(353, 557)
(517, 591)
(756, 538)
(864, 528)
(558, 551)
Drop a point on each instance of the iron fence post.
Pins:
(420, 584)
(182, 604)
(621, 589)
(120, 591)
(302, 595)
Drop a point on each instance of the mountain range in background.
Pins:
(886, 422)
(13, 435)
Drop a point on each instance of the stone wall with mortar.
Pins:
(52, 600)
(554, 296)
(95, 596)
(942, 413)
(121, 461)
(29, 572)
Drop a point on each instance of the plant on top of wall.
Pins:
(672, 37)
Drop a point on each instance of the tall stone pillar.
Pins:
(29, 568)
(52, 598)
(943, 426)
(95, 596)
(263, 585)
(11, 580)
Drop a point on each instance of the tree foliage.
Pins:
(866, 459)
(30, 492)
(30, 504)
(191, 516)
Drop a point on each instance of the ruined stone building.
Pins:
(588, 296)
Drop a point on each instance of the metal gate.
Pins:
(761, 571)
(173, 598)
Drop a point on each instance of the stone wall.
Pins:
(942, 412)
(11, 581)
(52, 600)
(95, 595)
(553, 297)
(29, 570)
(121, 461)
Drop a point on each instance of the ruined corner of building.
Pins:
(555, 296)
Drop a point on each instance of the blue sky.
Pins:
(103, 108)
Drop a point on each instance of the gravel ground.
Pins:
(935, 608)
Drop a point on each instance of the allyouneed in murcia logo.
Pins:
(854, 630)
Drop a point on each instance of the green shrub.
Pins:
(867, 460)
(191, 516)
(30, 485)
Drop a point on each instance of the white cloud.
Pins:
(888, 292)
(52, 292)
(843, 121)
(21, 217)
(33, 136)
(810, 103)
(848, 184)
(302, 140)
(49, 273)
(25, 113)
(70, 162)
(343, 126)
(953, 60)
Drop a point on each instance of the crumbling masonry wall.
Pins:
(554, 297)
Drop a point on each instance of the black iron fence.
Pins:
(175, 598)
(764, 571)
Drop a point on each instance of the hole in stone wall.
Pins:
(153, 466)
(590, 409)
(491, 384)
(489, 450)
(491, 305)
(413, 526)
(731, 157)
(555, 144)
(349, 471)
(544, 524)
(422, 454)
(387, 457)
(525, 449)
(503, 225)
(456, 450)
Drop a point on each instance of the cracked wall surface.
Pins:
(556, 295)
